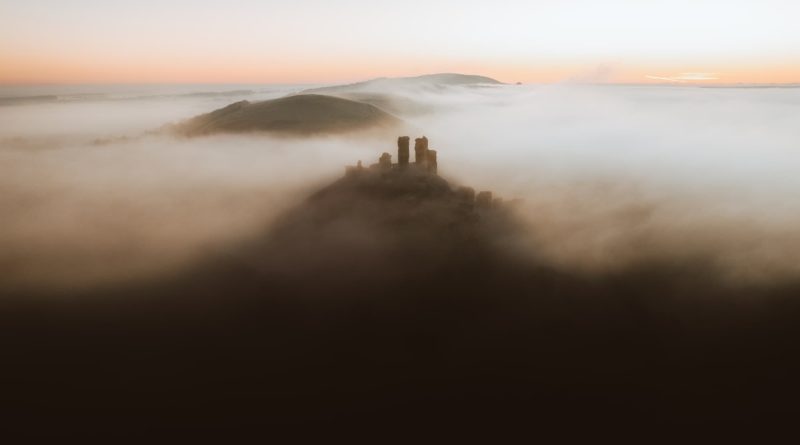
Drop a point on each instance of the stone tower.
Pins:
(385, 161)
(421, 151)
(432, 164)
(402, 151)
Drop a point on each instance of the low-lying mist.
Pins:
(610, 176)
(231, 285)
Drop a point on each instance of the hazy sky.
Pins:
(85, 41)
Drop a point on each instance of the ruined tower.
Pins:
(385, 161)
(484, 200)
(421, 151)
(425, 159)
(402, 151)
(431, 161)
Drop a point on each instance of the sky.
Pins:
(314, 41)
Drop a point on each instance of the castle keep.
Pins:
(425, 163)
(424, 158)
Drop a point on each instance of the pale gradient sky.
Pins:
(249, 41)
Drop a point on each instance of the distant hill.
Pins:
(429, 81)
(399, 95)
(292, 115)
(403, 105)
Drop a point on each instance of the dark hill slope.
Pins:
(293, 115)
(388, 304)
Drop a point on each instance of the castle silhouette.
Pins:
(424, 158)
(425, 162)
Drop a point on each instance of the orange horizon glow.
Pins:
(29, 70)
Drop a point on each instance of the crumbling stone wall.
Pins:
(483, 200)
(385, 161)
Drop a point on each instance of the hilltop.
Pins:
(365, 106)
(427, 81)
(388, 220)
(292, 115)
(398, 95)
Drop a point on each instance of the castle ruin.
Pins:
(425, 160)
(423, 156)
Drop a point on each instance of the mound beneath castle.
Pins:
(387, 223)
(380, 226)
(294, 115)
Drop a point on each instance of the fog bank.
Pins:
(611, 176)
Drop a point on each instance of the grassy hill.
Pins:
(401, 95)
(427, 81)
(292, 115)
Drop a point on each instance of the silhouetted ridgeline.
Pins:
(401, 96)
(428, 81)
(293, 115)
(393, 304)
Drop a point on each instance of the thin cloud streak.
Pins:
(686, 77)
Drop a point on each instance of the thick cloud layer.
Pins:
(610, 176)
(651, 285)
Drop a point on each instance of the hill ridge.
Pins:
(301, 114)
